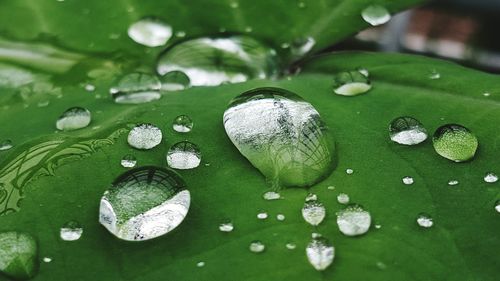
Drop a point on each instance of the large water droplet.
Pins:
(320, 253)
(213, 61)
(425, 220)
(128, 161)
(18, 254)
(144, 203)
(313, 212)
(455, 142)
(407, 130)
(353, 220)
(351, 83)
(175, 81)
(136, 88)
(184, 155)
(257, 247)
(376, 15)
(150, 32)
(490, 177)
(71, 231)
(281, 135)
(6, 145)
(144, 136)
(73, 119)
(182, 124)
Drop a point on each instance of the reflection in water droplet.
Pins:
(150, 32)
(184, 155)
(353, 220)
(128, 161)
(257, 247)
(408, 180)
(144, 136)
(234, 4)
(320, 253)
(175, 81)
(453, 182)
(313, 212)
(455, 142)
(182, 124)
(73, 119)
(144, 203)
(375, 15)
(18, 255)
(407, 130)
(424, 220)
(262, 215)
(136, 88)
(6, 145)
(490, 177)
(343, 198)
(281, 135)
(271, 195)
(291, 246)
(226, 226)
(71, 231)
(213, 61)
(351, 83)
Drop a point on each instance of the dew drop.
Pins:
(175, 81)
(89, 87)
(315, 235)
(497, 206)
(226, 226)
(302, 46)
(408, 180)
(320, 253)
(453, 182)
(73, 118)
(262, 215)
(234, 5)
(301, 4)
(313, 212)
(291, 246)
(490, 177)
(376, 15)
(18, 255)
(434, 75)
(47, 259)
(424, 220)
(6, 145)
(364, 71)
(182, 124)
(257, 247)
(349, 171)
(343, 198)
(353, 220)
(136, 88)
(150, 32)
(486, 94)
(43, 103)
(71, 231)
(144, 203)
(311, 197)
(184, 155)
(200, 264)
(271, 195)
(180, 34)
(280, 217)
(455, 142)
(128, 161)
(407, 130)
(144, 136)
(351, 83)
(331, 187)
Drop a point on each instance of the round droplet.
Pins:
(455, 142)
(408, 180)
(226, 226)
(497, 206)
(262, 215)
(71, 231)
(343, 198)
(18, 255)
(47, 259)
(376, 15)
(490, 177)
(407, 130)
(281, 135)
(136, 88)
(271, 195)
(353, 220)
(291, 246)
(200, 264)
(351, 83)
(257, 247)
(150, 32)
(6, 145)
(453, 182)
(182, 124)
(313, 212)
(144, 203)
(280, 217)
(128, 161)
(184, 155)
(424, 220)
(144, 136)
(349, 171)
(320, 253)
(213, 61)
(175, 81)
(73, 119)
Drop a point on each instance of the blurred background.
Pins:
(465, 31)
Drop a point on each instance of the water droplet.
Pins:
(434, 75)
(408, 180)
(6, 145)
(144, 203)
(144, 136)
(351, 83)
(280, 217)
(320, 253)
(343, 198)
(331, 187)
(271, 195)
(43, 103)
(349, 171)
(128, 161)
(248, 29)
(290, 246)
(497, 206)
(407, 130)
(71, 231)
(257, 247)
(184, 155)
(315, 235)
(182, 124)
(453, 182)
(73, 119)
(136, 88)
(18, 255)
(281, 135)
(301, 4)
(302, 46)
(200, 264)
(234, 5)
(364, 71)
(262, 215)
(226, 226)
(490, 177)
(47, 259)
(89, 87)
(175, 81)
(455, 142)
(313, 212)
(378, 226)
(424, 220)
(486, 94)
(311, 197)
(213, 61)
(353, 220)
(375, 15)
(180, 34)
(150, 32)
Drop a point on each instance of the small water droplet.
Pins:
(73, 119)
(180, 34)
(407, 130)
(353, 220)
(424, 220)
(182, 124)
(136, 88)
(234, 4)
(257, 247)
(128, 161)
(6, 145)
(331, 187)
(453, 182)
(200, 264)
(311, 197)
(175, 81)
(150, 32)
(315, 235)
(455, 142)
(144, 203)
(184, 155)
(89, 87)
(343, 198)
(434, 75)
(301, 4)
(248, 29)
(349, 171)
(408, 180)
(313, 212)
(291, 246)
(302, 46)
(497, 206)
(364, 71)
(262, 215)
(43, 103)
(490, 177)
(486, 94)
(320, 253)
(376, 15)
(47, 259)
(351, 83)
(71, 231)
(226, 226)
(378, 226)
(280, 217)
(271, 195)
(18, 253)
(381, 265)
(144, 136)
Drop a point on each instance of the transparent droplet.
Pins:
(214, 61)
(71, 231)
(144, 136)
(434, 75)
(490, 177)
(408, 180)
(320, 253)
(144, 203)
(343, 198)
(376, 15)
(128, 161)
(180, 34)
(453, 182)
(280, 217)
(424, 220)
(349, 171)
(291, 246)
(302, 46)
(353, 220)
(311, 197)
(6, 145)
(89, 87)
(182, 124)
(455, 142)
(175, 81)
(47, 259)
(271, 195)
(313, 212)
(136, 88)
(18, 255)
(351, 83)
(262, 215)
(73, 119)
(497, 206)
(184, 155)
(315, 235)
(257, 247)
(281, 135)
(150, 32)
(200, 264)
(486, 94)
(43, 103)
(407, 130)
(331, 187)
(226, 226)
(364, 71)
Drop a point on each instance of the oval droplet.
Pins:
(182, 124)
(136, 88)
(271, 195)
(184, 155)
(425, 220)
(407, 130)
(376, 15)
(455, 142)
(320, 253)
(408, 180)
(313, 212)
(175, 81)
(351, 83)
(343, 198)
(490, 177)
(6, 145)
(18, 255)
(226, 226)
(257, 247)
(128, 161)
(150, 32)
(262, 215)
(144, 136)
(144, 203)
(280, 217)
(453, 182)
(73, 118)
(71, 231)
(353, 220)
